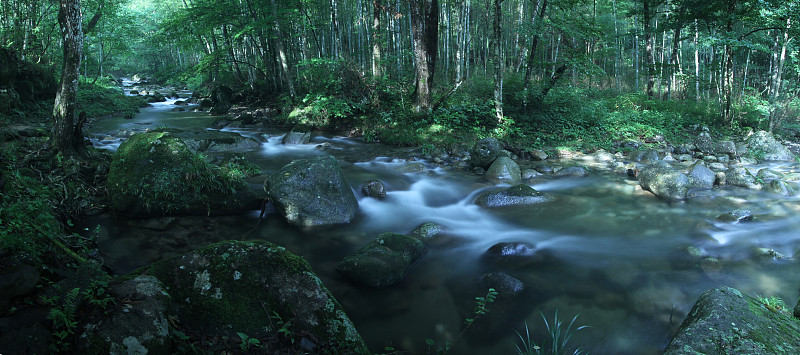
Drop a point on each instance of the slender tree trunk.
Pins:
(538, 13)
(696, 62)
(64, 140)
(377, 8)
(284, 63)
(424, 33)
(775, 114)
(648, 43)
(498, 60)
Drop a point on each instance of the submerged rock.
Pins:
(374, 189)
(156, 174)
(512, 254)
(312, 192)
(504, 170)
(298, 135)
(740, 176)
(576, 171)
(212, 141)
(736, 216)
(383, 261)
(764, 146)
(783, 188)
(725, 321)
(427, 231)
(517, 195)
(232, 287)
(485, 151)
(664, 181)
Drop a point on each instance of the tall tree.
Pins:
(64, 133)
(425, 35)
(498, 59)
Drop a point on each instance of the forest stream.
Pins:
(628, 263)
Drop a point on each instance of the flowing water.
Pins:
(629, 264)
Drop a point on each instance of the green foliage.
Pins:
(27, 215)
(105, 98)
(774, 304)
(557, 341)
(248, 342)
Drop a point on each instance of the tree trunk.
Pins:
(70, 19)
(498, 61)
(648, 43)
(424, 33)
(538, 13)
(377, 8)
(284, 63)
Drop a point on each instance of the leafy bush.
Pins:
(104, 98)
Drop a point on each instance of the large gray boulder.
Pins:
(246, 287)
(298, 135)
(504, 170)
(740, 176)
(517, 195)
(664, 181)
(485, 151)
(766, 148)
(701, 176)
(212, 141)
(312, 192)
(383, 261)
(725, 321)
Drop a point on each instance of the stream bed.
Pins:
(629, 264)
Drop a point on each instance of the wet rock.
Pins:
(720, 178)
(383, 261)
(506, 285)
(411, 167)
(767, 253)
(725, 147)
(740, 176)
(664, 181)
(701, 176)
(646, 156)
(139, 326)
(211, 141)
(538, 155)
(156, 174)
(704, 143)
(427, 231)
(768, 174)
(374, 189)
(717, 166)
(312, 192)
(517, 195)
(575, 171)
(528, 174)
(725, 321)
(504, 170)
(234, 286)
(736, 216)
(764, 146)
(512, 255)
(180, 103)
(298, 135)
(685, 157)
(783, 188)
(544, 169)
(17, 280)
(485, 151)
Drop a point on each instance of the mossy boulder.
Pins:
(702, 176)
(246, 287)
(725, 321)
(211, 141)
(139, 326)
(312, 192)
(300, 134)
(383, 261)
(664, 181)
(517, 195)
(740, 176)
(485, 151)
(156, 174)
(504, 170)
(766, 148)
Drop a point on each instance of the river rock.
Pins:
(512, 255)
(234, 286)
(507, 286)
(383, 261)
(740, 176)
(298, 135)
(312, 192)
(768, 174)
(764, 146)
(374, 189)
(155, 174)
(783, 188)
(575, 171)
(717, 166)
(725, 321)
(485, 151)
(645, 156)
(725, 147)
(736, 216)
(138, 327)
(664, 181)
(701, 176)
(517, 195)
(212, 141)
(704, 143)
(544, 169)
(538, 155)
(427, 231)
(504, 170)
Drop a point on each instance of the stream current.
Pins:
(630, 265)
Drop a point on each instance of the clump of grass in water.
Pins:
(558, 339)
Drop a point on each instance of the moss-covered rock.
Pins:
(485, 151)
(725, 321)
(156, 174)
(383, 261)
(211, 141)
(258, 289)
(312, 192)
(504, 170)
(740, 176)
(517, 195)
(765, 147)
